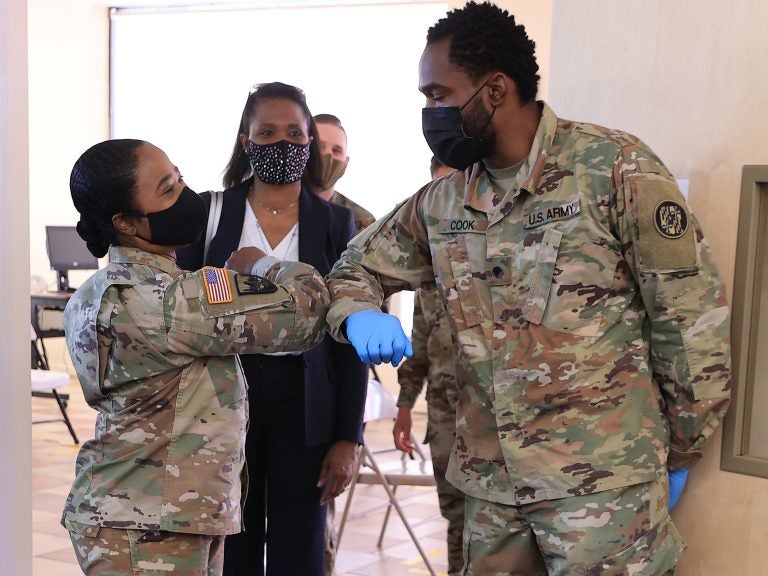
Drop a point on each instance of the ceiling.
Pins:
(242, 3)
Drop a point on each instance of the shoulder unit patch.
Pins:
(250, 284)
(670, 219)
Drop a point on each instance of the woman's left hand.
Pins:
(337, 470)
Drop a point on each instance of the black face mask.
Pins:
(278, 163)
(181, 224)
(443, 130)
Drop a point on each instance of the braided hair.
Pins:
(484, 39)
(239, 167)
(102, 184)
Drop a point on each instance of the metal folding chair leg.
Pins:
(344, 515)
(386, 520)
(421, 454)
(417, 448)
(63, 409)
(393, 502)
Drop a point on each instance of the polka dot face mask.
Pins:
(278, 163)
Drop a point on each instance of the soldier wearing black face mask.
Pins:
(180, 224)
(457, 142)
(576, 283)
(154, 350)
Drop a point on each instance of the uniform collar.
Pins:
(480, 194)
(128, 255)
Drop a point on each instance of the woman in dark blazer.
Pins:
(305, 410)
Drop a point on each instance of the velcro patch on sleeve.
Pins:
(190, 288)
(217, 287)
(250, 284)
(666, 239)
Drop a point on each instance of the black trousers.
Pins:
(282, 511)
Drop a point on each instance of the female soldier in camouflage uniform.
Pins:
(159, 486)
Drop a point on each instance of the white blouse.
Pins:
(253, 235)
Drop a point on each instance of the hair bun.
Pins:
(94, 237)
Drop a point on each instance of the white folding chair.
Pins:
(45, 383)
(380, 405)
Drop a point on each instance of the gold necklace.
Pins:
(275, 211)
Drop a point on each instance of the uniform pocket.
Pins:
(572, 287)
(459, 286)
(657, 551)
(543, 273)
(222, 374)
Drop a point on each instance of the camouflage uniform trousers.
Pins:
(441, 433)
(624, 531)
(116, 552)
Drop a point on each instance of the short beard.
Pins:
(477, 124)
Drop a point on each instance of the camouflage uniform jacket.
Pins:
(591, 326)
(433, 356)
(159, 364)
(363, 218)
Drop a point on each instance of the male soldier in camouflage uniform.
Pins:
(590, 324)
(333, 146)
(433, 360)
(155, 350)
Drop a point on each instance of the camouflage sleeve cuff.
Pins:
(340, 310)
(407, 396)
(682, 460)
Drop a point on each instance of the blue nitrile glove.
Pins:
(377, 337)
(677, 480)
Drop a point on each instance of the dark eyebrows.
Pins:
(272, 125)
(168, 177)
(427, 89)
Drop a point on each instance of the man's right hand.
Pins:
(402, 430)
(377, 337)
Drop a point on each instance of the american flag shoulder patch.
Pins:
(217, 286)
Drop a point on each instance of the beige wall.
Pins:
(688, 78)
(15, 435)
(68, 110)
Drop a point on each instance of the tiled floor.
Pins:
(53, 461)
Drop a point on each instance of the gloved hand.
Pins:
(377, 337)
(677, 480)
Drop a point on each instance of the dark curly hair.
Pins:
(239, 168)
(484, 39)
(102, 184)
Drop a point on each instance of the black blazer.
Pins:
(334, 377)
